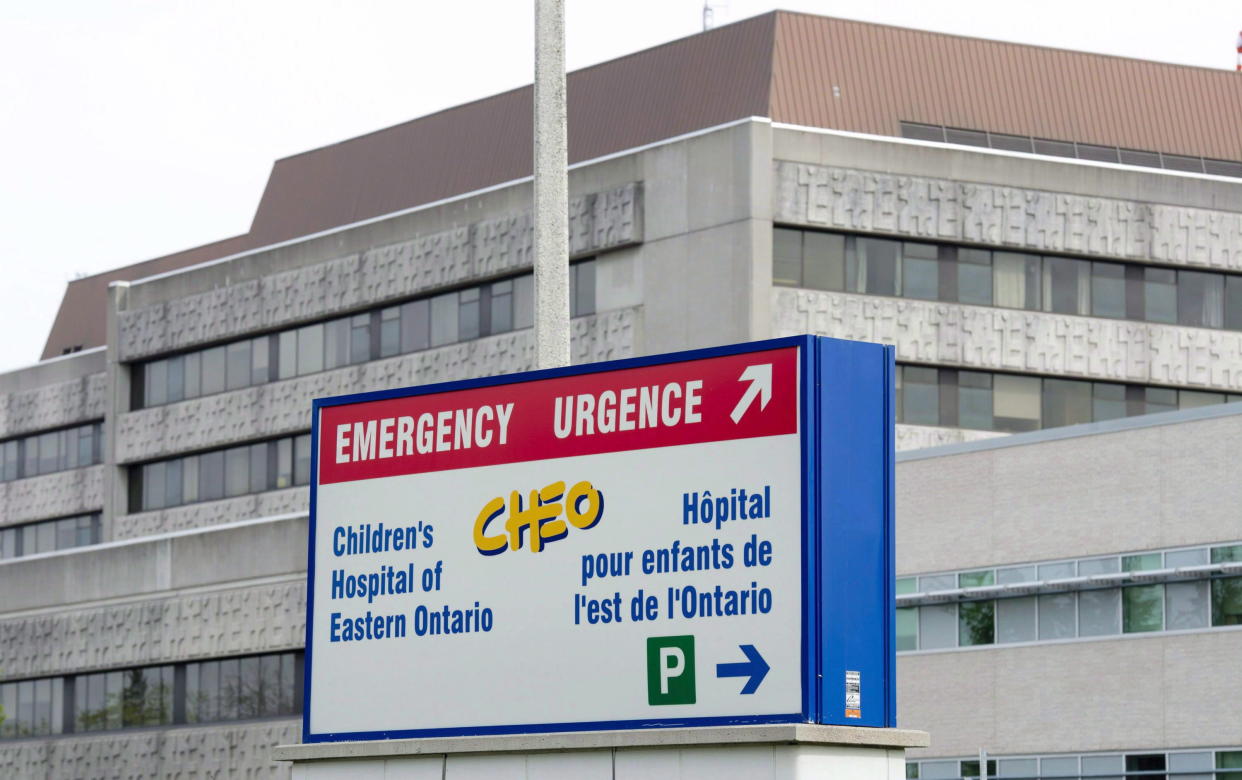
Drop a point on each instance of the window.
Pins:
(938, 626)
(1098, 612)
(823, 264)
(920, 396)
(1200, 299)
(1108, 401)
(976, 623)
(974, 400)
(582, 289)
(1066, 402)
(1108, 290)
(1016, 403)
(1142, 608)
(49, 535)
(1015, 280)
(907, 628)
(209, 476)
(872, 268)
(1147, 764)
(920, 271)
(1067, 287)
(974, 276)
(1016, 619)
(787, 257)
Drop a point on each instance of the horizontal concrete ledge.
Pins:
(791, 733)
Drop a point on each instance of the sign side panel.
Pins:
(855, 478)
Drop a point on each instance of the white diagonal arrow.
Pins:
(760, 377)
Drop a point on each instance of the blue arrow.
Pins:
(753, 667)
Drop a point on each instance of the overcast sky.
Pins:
(131, 129)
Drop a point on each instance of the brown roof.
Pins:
(780, 65)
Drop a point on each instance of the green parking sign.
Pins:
(670, 670)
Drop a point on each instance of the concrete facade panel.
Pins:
(998, 215)
(57, 405)
(367, 278)
(1073, 697)
(280, 408)
(171, 754)
(981, 337)
(59, 494)
(1067, 498)
(166, 628)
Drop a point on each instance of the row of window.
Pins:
(1133, 609)
(1112, 154)
(44, 453)
(209, 476)
(49, 535)
(257, 686)
(1012, 403)
(1183, 765)
(1015, 280)
(470, 313)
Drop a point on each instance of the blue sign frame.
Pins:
(848, 561)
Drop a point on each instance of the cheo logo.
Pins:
(538, 520)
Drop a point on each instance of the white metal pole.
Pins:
(551, 188)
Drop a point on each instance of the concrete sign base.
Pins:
(768, 752)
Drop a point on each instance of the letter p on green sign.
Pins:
(670, 670)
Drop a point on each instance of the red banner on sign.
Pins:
(714, 399)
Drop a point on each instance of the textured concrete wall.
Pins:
(419, 265)
(209, 513)
(61, 493)
(53, 406)
(280, 408)
(998, 215)
(241, 751)
(982, 337)
(1138, 489)
(169, 627)
(1169, 691)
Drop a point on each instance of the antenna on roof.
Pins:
(709, 13)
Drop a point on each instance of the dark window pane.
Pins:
(189, 479)
(1066, 286)
(907, 628)
(922, 132)
(1193, 399)
(468, 314)
(1177, 162)
(523, 302)
(1233, 302)
(1158, 399)
(1010, 143)
(974, 400)
(176, 379)
(1227, 601)
(359, 338)
(390, 331)
(258, 467)
(239, 369)
(310, 349)
(1136, 157)
(213, 370)
(288, 692)
(49, 453)
(1222, 168)
(1108, 401)
(824, 261)
(260, 360)
(249, 703)
(920, 396)
(153, 486)
(502, 307)
(584, 292)
(415, 326)
(1066, 402)
(237, 471)
(230, 689)
(1152, 762)
(965, 137)
(1098, 153)
(288, 352)
(974, 276)
(920, 271)
(444, 319)
(193, 375)
(302, 460)
(872, 268)
(787, 257)
(267, 698)
(172, 483)
(1142, 608)
(1159, 295)
(976, 623)
(211, 476)
(156, 390)
(1108, 290)
(1200, 299)
(1015, 280)
(336, 343)
(1054, 148)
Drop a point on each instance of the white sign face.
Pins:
(601, 550)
